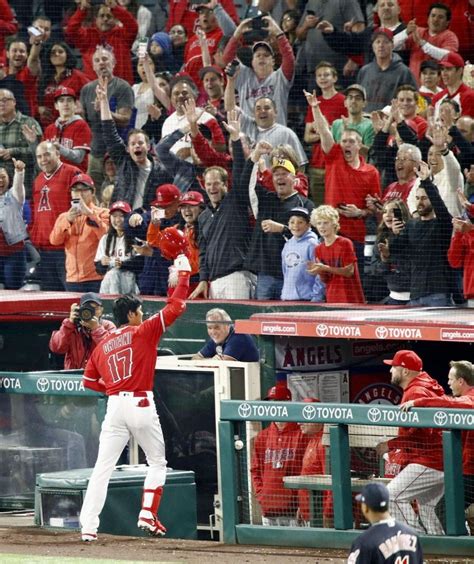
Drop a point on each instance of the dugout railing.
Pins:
(237, 429)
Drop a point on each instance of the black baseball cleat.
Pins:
(151, 526)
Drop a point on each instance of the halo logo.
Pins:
(440, 418)
(42, 385)
(244, 410)
(374, 414)
(322, 330)
(309, 412)
(381, 332)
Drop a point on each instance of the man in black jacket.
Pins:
(271, 229)
(138, 174)
(224, 230)
(425, 242)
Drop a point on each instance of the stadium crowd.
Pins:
(317, 151)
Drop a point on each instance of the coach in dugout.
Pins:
(225, 343)
(79, 334)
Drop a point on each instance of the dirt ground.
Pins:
(42, 542)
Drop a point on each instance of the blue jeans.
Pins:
(268, 287)
(12, 270)
(52, 271)
(433, 300)
(88, 286)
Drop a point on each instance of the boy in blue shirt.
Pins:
(298, 283)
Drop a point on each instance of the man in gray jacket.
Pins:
(385, 73)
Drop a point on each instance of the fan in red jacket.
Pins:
(420, 451)
(115, 28)
(278, 452)
(461, 382)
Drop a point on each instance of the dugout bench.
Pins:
(237, 416)
(360, 436)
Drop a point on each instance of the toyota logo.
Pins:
(309, 412)
(374, 414)
(245, 410)
(440, 418)
(381, 332)
(42, 385)
(322, 330)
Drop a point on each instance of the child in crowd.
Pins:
(298, 283)
(116, 257)
(336, 261)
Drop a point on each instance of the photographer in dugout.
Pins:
(80, 333)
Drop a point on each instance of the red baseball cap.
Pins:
(166, 194)
(452, 60)
(120, 206)
(191, 198)
(278, 393)
(406, 359)
(382, 31)
(64, 91)
(311, 400)
(82, 179)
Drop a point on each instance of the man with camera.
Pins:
(80, 333)
(261, 79)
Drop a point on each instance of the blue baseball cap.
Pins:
(375, 496)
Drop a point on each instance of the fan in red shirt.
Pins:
(51, 198)
(209, 33)
(183, 12)
(115, 29)
(123, 366)
(332, 107)
(452, 68)
(70, 131)
(349, 179)
(336, 261)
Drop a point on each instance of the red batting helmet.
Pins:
(173, 243)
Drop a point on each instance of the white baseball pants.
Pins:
(426, 486)
(124, 417)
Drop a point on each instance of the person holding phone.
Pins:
(395, 273)
(116, 257)
(424, 242)
(79, 230)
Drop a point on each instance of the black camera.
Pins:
(258, 22)
(85, 313)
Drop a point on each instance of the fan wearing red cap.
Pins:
(116, 257)
(419, 451)
(80, 230)
(432, 42)
(69, 130)
(278, 452)
(452, 68)
(164, 212)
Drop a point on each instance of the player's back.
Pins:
(126, 358)
(387, 542)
